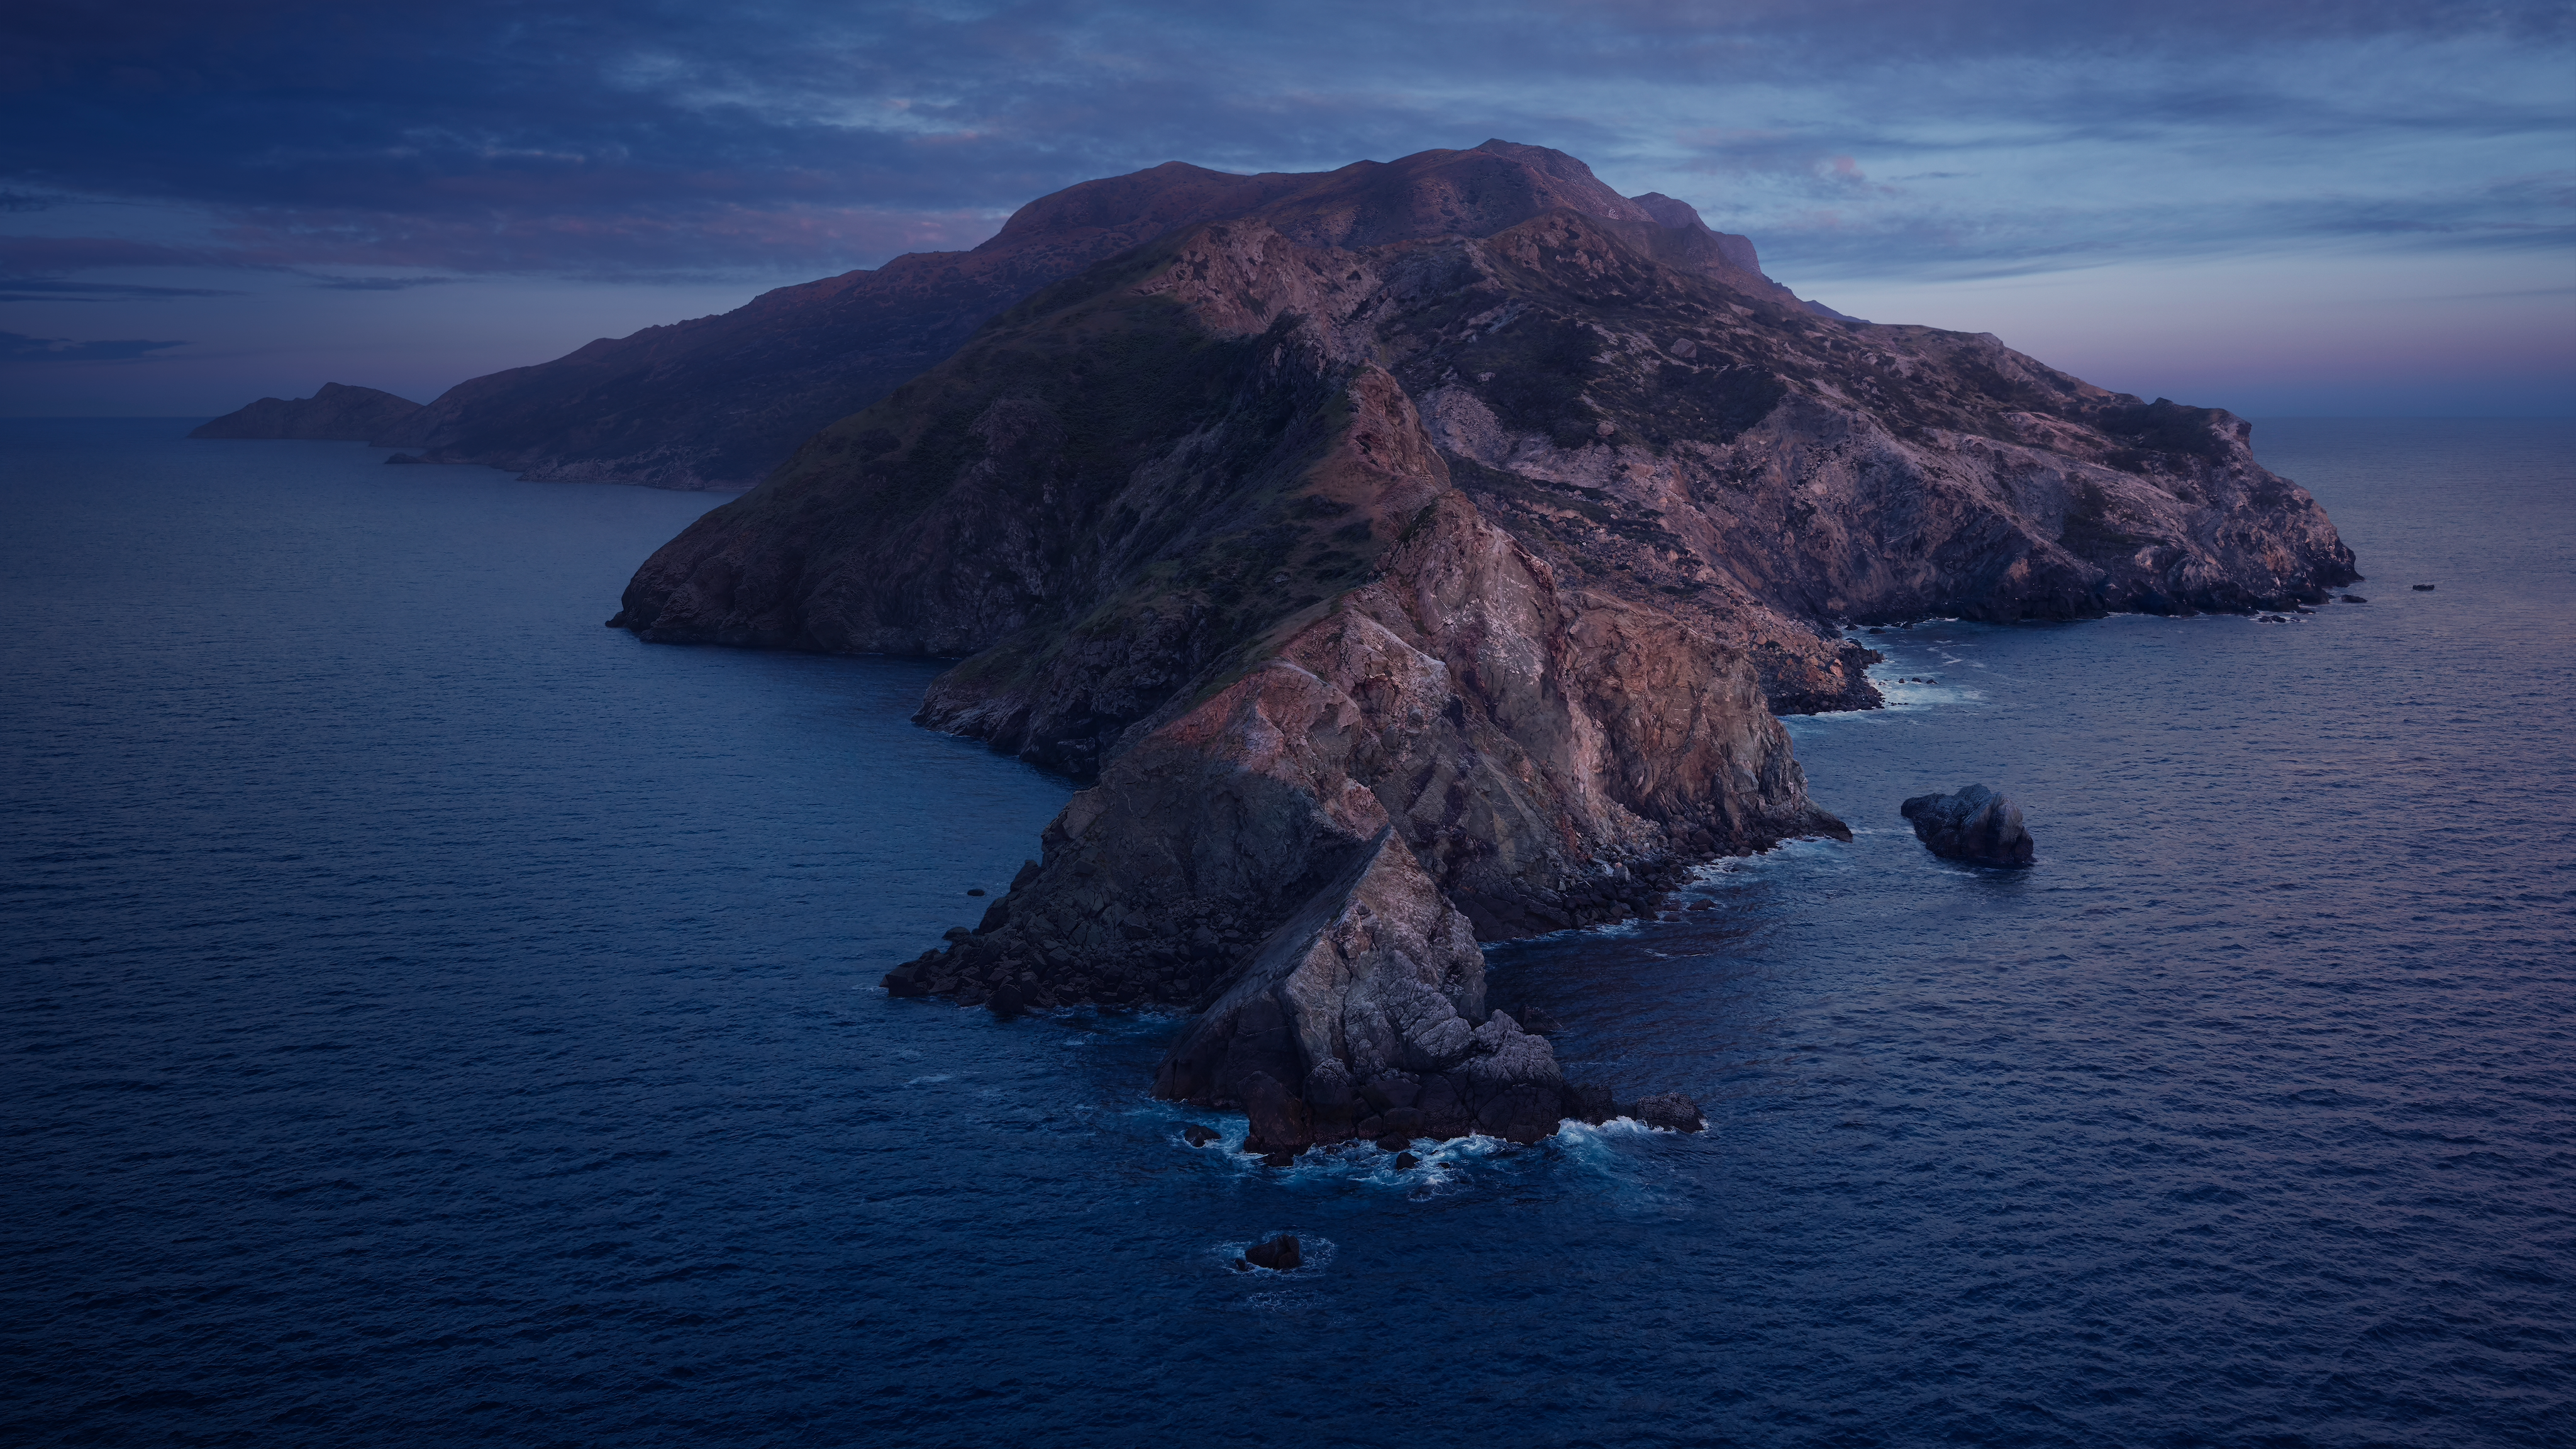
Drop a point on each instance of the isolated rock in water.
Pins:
(2425, 588)
(1975, 825)
(1199, 1136)
(1671, 1111)
(2355, 599)
(336, 414)
(1278, 1255)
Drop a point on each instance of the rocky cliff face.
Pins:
(1407, 586)
(336, 414)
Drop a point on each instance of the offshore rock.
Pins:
(1279, 1254)
(1975, 825)
(336, 414)
(1670, 1111)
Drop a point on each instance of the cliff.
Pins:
(336, 414)
(1406, 585)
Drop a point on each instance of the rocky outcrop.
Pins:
(1280, 1255)
(336, 414)
(1402, 591)
(1975, 825)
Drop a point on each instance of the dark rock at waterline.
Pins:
(1406, 1162)
(975, 891)
(1006, 1002)
(2355, 599)
(1281, 1121)
(1199, 1136)
(2426, 588)
(1538, 1019)
(1279, 1255)
(1975, 825)
(1669, 1110)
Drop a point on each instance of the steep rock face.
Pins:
(1456, 748)
(336, 414)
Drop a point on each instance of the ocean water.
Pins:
(434, 1018)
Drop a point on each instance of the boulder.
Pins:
(1669, 1110)
(1279, 1255)
(1198, 1135)
(1975, 825)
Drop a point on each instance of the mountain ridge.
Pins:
(717, 402)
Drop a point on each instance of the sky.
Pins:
(2285, 209)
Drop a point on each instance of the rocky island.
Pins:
(338, 413)
(1416, 555)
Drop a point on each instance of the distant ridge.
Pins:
(338, 413)
(718, 402)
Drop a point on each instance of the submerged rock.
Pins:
(1975, 825)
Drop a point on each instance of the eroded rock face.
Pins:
(1975, 825)
(337, 413)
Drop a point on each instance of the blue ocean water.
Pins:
(433, 1018)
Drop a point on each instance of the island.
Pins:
(1419, 555)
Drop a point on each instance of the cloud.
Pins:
(49, 289)
(18, 347)
(587, 139)
(380, 284)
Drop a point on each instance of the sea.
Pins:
(434, 1018)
